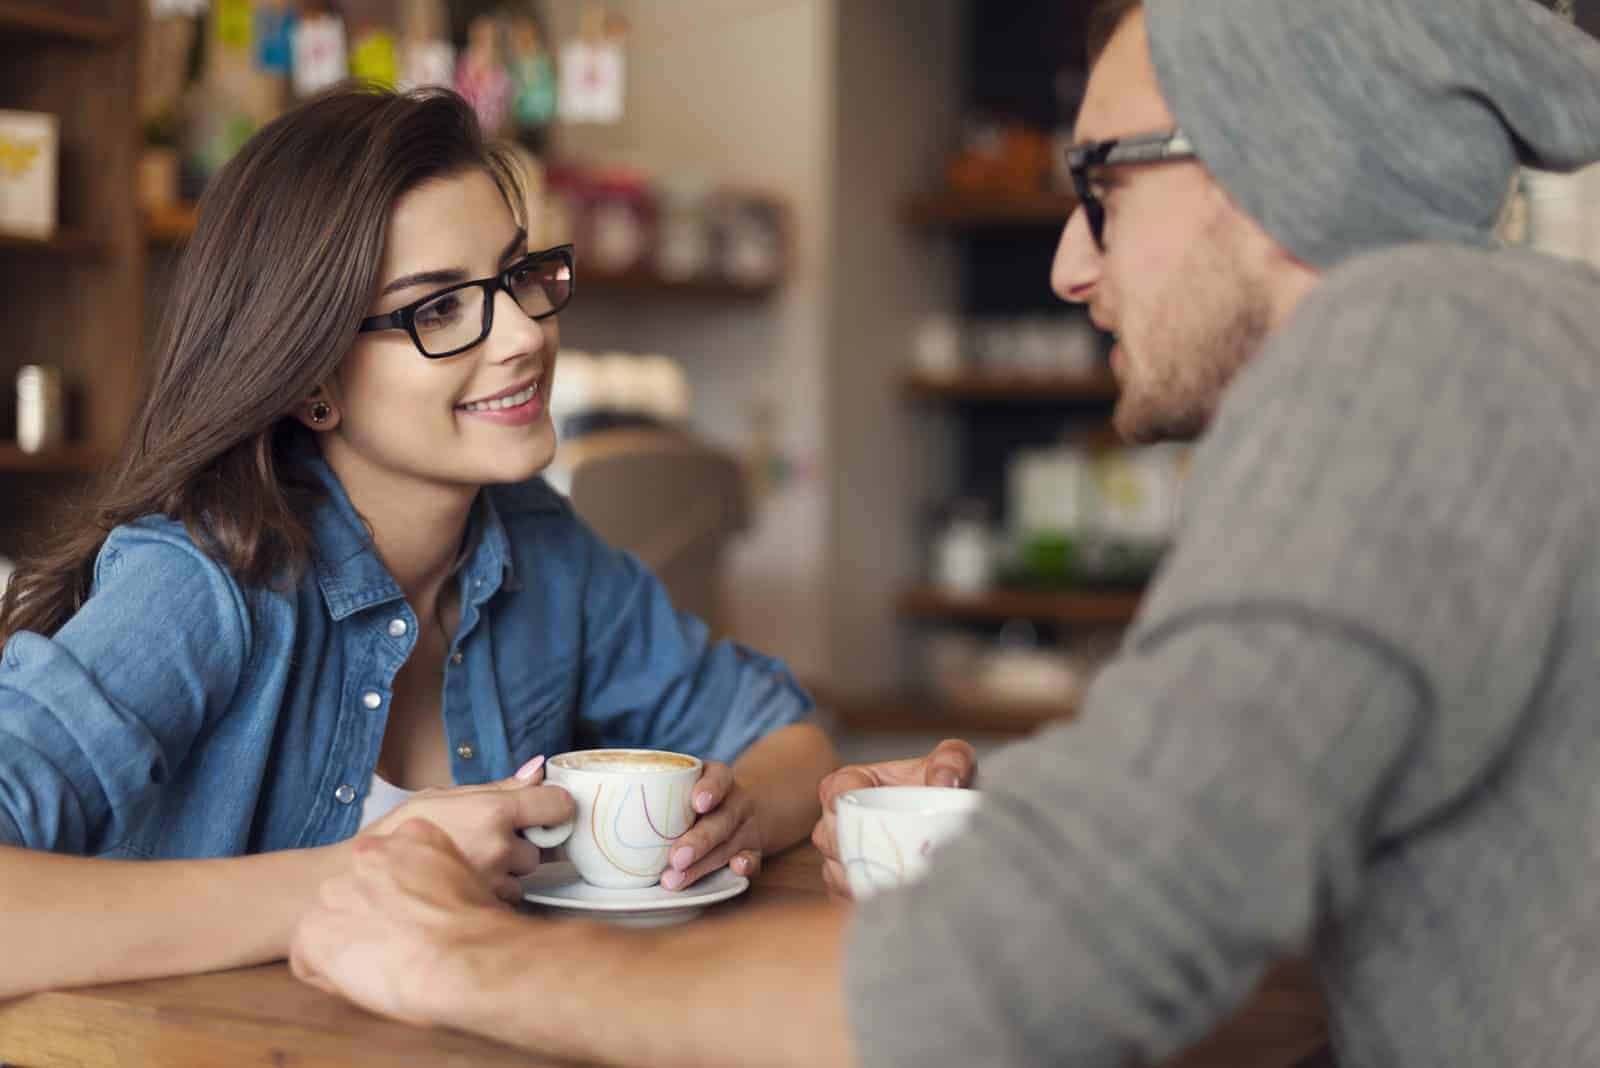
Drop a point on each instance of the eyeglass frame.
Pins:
(405, 318)
(1172, 145)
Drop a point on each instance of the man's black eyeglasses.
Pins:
(455, 319)
(1150, 148)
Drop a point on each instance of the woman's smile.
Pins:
(515, 406)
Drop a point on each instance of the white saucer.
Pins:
(556, 886)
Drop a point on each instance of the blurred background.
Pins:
(814, 374)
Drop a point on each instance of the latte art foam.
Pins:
(629, 761)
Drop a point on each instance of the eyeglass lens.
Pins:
(460, 318)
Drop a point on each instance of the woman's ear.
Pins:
(318, 413)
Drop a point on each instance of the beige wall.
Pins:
(842, 107)
(738, 90)
(900, 92)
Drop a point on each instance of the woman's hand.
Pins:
(726, 832)
(484, 821)
(951, 763)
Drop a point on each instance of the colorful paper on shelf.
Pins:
(275, 38)
(428, 63)
(373, 57)
(231, 23)
(28, 166)
(318, 53)
(591, 82)
(190, 8)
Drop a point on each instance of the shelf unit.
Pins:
(934, 714)
(950, 210)
(32, 19)
(174, 225)
(81, 287)
(64, 243)
(1014, 387)
(69, 459)
(1068, 607)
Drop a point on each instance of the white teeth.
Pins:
(515, 400)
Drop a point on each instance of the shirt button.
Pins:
(465, 752)
(455, 657)
(397, 628)
(344, 794)
(372, 699)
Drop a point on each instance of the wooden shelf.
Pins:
(1084, 608)
(970, 211)
(73, 457)
(646, 282)
(912, 713)
(170, 225)
(174, 225)
(1016, 387)
(38, 19)
(69, 243)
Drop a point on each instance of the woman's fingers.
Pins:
(716, 780)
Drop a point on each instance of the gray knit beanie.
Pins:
(1346, 125)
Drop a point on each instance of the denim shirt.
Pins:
(179, 714)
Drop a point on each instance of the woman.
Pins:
(323, 576)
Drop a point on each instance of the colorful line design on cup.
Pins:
(879, 874)
(608, 844)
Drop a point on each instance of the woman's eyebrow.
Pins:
(447, 275)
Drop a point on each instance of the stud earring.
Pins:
(320, 412)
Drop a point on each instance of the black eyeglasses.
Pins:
(455, 319)
(1150, 148)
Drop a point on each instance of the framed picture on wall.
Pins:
(29, 142)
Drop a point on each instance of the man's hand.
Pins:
(951, 763)
(403, 932)
(725, 833)
(483, 821)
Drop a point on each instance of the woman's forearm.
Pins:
(781, 772)
(73, 921)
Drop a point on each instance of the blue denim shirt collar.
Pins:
(353, 578)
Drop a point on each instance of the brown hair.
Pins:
(272, 285)
(1104, 20)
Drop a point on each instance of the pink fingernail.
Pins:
(672, 880)
(702, 801)
(531, 768)
(682, 858)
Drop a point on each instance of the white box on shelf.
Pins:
(29, 153)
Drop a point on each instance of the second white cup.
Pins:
(887, 833)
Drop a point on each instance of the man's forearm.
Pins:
(761, 986)
(782, 772)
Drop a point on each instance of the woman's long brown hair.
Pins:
(271, 287)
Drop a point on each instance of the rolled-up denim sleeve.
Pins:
(653, 677)
(96, 717)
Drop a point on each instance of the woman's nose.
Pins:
(514, 333)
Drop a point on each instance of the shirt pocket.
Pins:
(538, 701)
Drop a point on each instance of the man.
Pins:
(1356, 714)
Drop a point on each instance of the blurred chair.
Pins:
(669, 498)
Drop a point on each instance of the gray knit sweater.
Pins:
(1358, 717)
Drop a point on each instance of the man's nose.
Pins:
(1076, 270)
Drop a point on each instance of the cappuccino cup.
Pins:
(630, 806)
(887, 833)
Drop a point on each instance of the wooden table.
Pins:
(263, 1016)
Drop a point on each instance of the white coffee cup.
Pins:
(887, 833)
(631, 805)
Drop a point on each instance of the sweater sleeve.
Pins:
(1380, 534)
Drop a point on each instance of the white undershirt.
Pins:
(382, 798)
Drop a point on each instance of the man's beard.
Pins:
(1203, 328)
